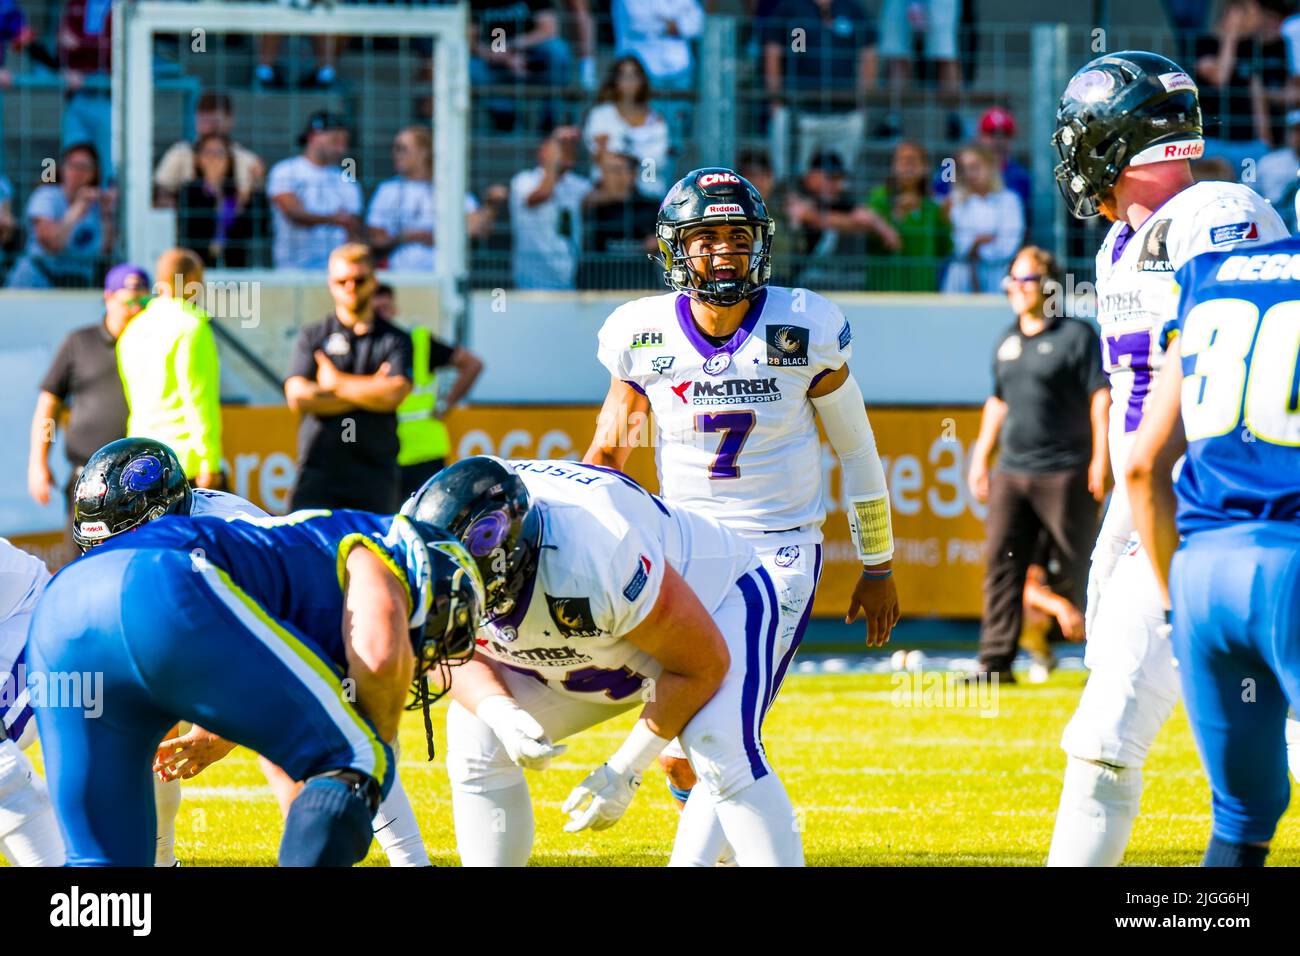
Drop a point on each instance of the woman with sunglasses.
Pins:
(1048, 413)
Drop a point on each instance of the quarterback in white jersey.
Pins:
(603, 598)
(1126, 127)
(734, 370)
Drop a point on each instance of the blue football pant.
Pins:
(158, 637)
(1236, 636)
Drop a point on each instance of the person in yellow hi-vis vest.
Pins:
(171, 375)
(425, 444)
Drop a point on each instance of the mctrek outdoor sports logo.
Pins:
(729, 391)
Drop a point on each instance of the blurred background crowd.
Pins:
(890, 136)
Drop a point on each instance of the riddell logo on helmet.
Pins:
(714, 179)
(94, 529)
(724, 209)
(1184, 150)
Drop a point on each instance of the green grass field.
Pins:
(877, 784)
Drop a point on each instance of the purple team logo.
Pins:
(717, 363)
(142, 473)
(486, 534)
(787, 556)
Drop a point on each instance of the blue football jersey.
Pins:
(1238, 325)
(292, 566)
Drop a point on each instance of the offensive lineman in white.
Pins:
(734, 370)
(1127, 126)
(602, 598)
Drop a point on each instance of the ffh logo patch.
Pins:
(572, 615)
(787, 345)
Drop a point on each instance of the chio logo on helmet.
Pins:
(142, 473)
(486, 534)
(715, 179)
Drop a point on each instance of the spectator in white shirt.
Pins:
(623, 122)
(988, 223)
(316, 200)
(404, 210)
(546, 215)
(658, 33)
(1277, 169)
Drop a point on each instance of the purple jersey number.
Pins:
(1137, 346)
(617, 683)
(735, 428)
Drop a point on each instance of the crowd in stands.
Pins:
(606, 93)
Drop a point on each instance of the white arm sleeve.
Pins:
(844, 416)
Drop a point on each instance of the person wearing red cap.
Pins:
(997, 130)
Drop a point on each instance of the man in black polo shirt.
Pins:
(1049, 406)
(347, 376)
(84, 378)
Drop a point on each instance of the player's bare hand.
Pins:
(877, 599)
(189, 754)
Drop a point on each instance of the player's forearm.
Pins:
(475, 681)
(1151, 492)
(844, 416)
(676, 698)
(380, 696)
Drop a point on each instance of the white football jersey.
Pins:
(23, 578)
(1137, 295)
(605, 544)
(736, 437)
(222, 504)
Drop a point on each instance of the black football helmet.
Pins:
(485, 504)
(713, 195)
(125, 484)
(1122, 109)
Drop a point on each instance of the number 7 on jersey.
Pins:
(735, 428)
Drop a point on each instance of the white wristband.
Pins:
(638, 751)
